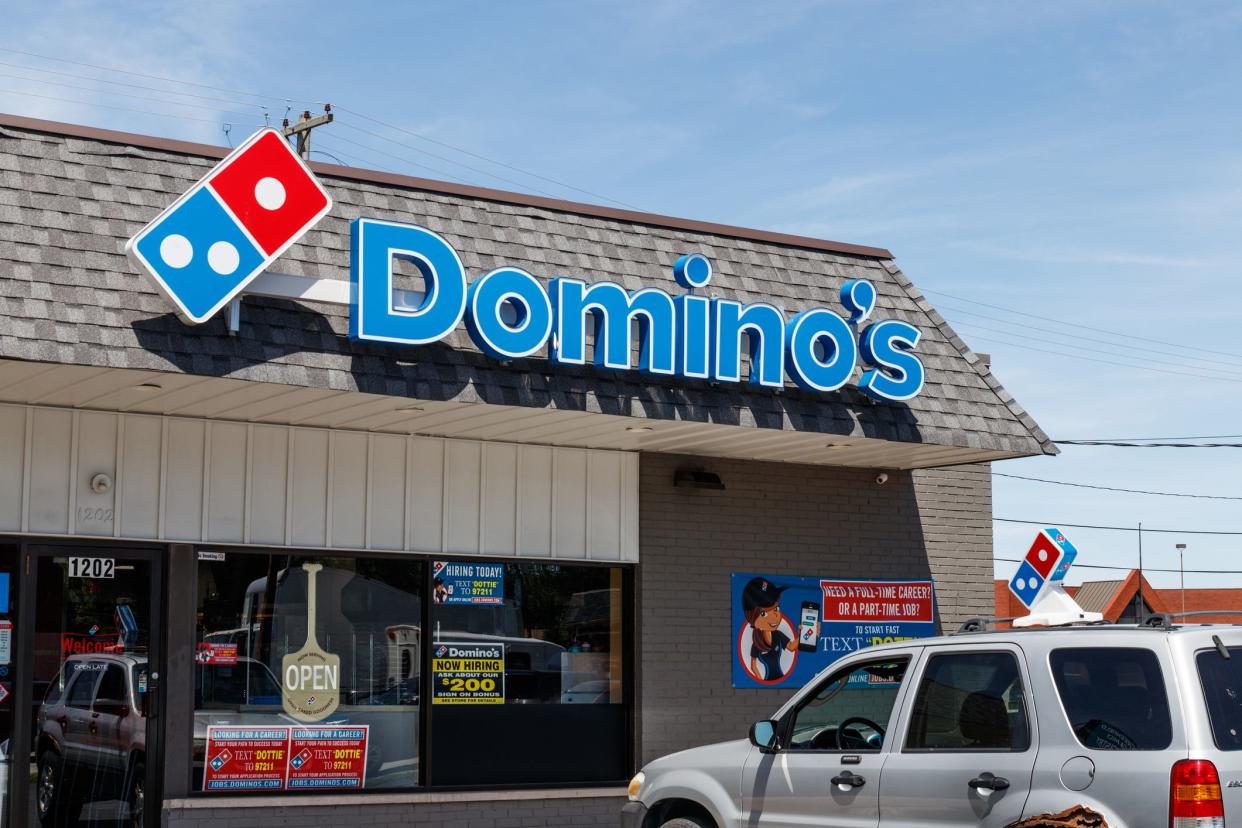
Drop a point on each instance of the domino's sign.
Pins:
(1046, 562)
(203, 250)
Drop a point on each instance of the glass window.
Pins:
(112, 685)
(284, 641)
(82, 689)
(970, 701)
(527, 661)
(1114, 697)
(851, 710)
(1222, 690)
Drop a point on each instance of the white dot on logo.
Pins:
(176, 250)
(1043, 554)
(223, 258)
(270, 193)
(1021, 583)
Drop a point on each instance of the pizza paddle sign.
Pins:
(311, 677)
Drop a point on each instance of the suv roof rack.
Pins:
(1164, 620)
(982, 625)
(979, 624)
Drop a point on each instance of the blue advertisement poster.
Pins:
(786, 629)
(456, 582)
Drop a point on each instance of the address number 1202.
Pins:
(92, 567)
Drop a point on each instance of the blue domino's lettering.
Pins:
(858, 296)
(897, 373)
(764, 327)
(613, 309)
(373, 315)
(819, 330)
(510, 287)
(694, 333)
(692, 270)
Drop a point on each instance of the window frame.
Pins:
(629, 656)
(929, 655)
(790, 715)
(1069, 723)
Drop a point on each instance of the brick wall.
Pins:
(781, 518)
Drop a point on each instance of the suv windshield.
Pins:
(246, 682)
(1222, 690)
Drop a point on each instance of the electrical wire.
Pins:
(1232, 367)
(1130, 568)
(1120, 444)
(1084, 327)
(148, 98)
(106, 106)
(1183, 374)
(1144, 530)
(1147, 439)
(1112, 488)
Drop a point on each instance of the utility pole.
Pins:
(1142, 607)
(302, 129)
(1181, 568)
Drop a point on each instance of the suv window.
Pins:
(1221, 679)
(1114, 697)
(112, 685)
(82, 690)
(850, 710)
(970, 701)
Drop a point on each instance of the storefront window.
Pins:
(527, 661)
(307, 673)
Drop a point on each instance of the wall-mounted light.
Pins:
(697, 479)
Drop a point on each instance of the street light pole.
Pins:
(1181, 568)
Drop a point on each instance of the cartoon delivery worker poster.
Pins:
(788, 628)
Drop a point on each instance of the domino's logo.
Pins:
(1048, 559)
(230, 226)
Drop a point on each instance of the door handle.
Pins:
(849, 780)
(989, 782)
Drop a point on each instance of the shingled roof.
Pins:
(70, 197)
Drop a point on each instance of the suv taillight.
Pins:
(1194, 796)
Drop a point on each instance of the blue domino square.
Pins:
(199, 255)
(1026, 584)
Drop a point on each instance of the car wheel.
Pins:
(687, 822)
(51, 795)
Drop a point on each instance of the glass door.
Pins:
(91, 658)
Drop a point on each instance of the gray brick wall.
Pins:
(783, 518)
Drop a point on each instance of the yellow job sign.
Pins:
(468, 673)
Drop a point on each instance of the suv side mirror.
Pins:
(763, 736)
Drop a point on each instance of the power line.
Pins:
(159, 77)
(1232, 367)
(1112, 488)
(1183, 374)
(1147, 439)
(106, 106)
(1145, 569)
(1113, 528)
(1121, 444)
(422, 137)
(1084, 327)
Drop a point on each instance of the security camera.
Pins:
(881, 478)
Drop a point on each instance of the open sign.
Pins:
(311, 677)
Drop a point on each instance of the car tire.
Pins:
(687, 822)
(135, 795)
(52, 802)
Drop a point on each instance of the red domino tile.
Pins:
(1043, 555)
(289, 207)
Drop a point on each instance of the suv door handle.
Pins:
(989, 782)
(849, 779)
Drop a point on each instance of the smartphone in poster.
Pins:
(460, 582)
(788, 628)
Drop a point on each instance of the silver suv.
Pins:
(1094, 726)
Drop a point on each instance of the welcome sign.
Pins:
(230, 226)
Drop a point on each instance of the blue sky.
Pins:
(1075, 160)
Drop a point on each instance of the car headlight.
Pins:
(636, 785)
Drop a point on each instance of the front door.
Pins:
(833, 746)
(87, 652)
(968, 748)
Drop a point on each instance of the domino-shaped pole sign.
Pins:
(1038, 583)
(226, 229)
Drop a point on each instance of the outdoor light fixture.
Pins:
(697, 479)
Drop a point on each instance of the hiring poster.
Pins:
(475, 584)
(468, 673)
(327, 757)
(245, 758)
(785, 629)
